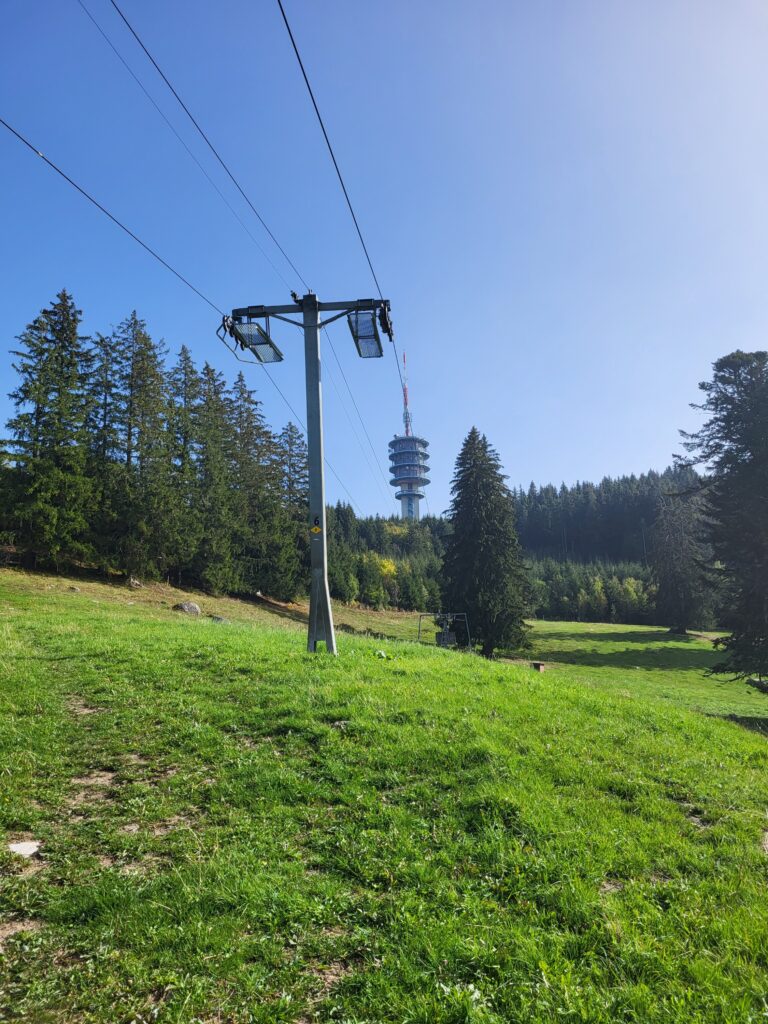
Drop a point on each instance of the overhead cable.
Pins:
(338, 170)
(172, 127)
(360, 417)
(226, 168)
(208, 142)
(167, 266)
(114, 219)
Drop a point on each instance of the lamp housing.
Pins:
(252, 336)
(365, 333)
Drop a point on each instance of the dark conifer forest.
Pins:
(124, 459)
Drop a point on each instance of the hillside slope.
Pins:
(234, 830)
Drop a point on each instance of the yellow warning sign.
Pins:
(316, 529)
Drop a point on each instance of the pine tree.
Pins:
(680, 558)
(183, 525)
(105, 468)
(49, 437)
(294, 468)
(733, 443)
(483, 573)
(215, 561)
(264, 530)
(144, 445)
(295, 471)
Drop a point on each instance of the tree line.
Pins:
(610, 521)
(120, 462)
(117, 461)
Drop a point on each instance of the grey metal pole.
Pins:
(320, 614)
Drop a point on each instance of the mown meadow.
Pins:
(233, 830)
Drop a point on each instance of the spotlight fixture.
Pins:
(362, 324)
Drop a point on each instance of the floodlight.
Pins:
(253, 337)
(362, 324)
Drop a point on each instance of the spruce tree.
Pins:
(733, 444)
(183, 524)
(49, 518)
(294, 469)
(483, 572)
(145, 450)
(105, 468)
(680, 558)
(215, 561)
(264, 531)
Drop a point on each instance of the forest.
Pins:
(122, 460)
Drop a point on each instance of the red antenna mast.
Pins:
(406, 410)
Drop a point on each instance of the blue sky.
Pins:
(565, 202)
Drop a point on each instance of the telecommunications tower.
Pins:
(409, 462)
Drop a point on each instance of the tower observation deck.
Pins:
(409, 462)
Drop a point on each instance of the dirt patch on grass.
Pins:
(136, 759)
(92, 788)
(696, 816)
(765, 842)
(325, 978)
(164, 828)
(8, 929)
(140, 867)
(610, 885)
(79, 707)
(95, 779)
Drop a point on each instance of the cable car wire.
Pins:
(210, 145)
(338, 171)
(172, 127)
(234, 180)
(359, 416)
(114, 219)
(167, 266)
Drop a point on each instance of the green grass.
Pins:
(647, 662)
(238, 831)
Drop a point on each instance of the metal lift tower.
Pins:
(245, 327)
(409, 462)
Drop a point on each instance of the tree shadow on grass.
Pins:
(751, 722)
(652, 658)
(629, 636)
(281, 610)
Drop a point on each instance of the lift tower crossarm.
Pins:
(256, 312)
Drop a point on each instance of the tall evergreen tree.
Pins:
(49, 436)
(295, 470)
(145, 450)
(294, 467)
(264, 529)
(183, 524)
(215, 561)
(483, 571)
(680, 558)
(733, 443)
(105, 468)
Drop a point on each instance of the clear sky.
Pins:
(565, 202)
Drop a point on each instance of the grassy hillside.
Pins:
(233, 830)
